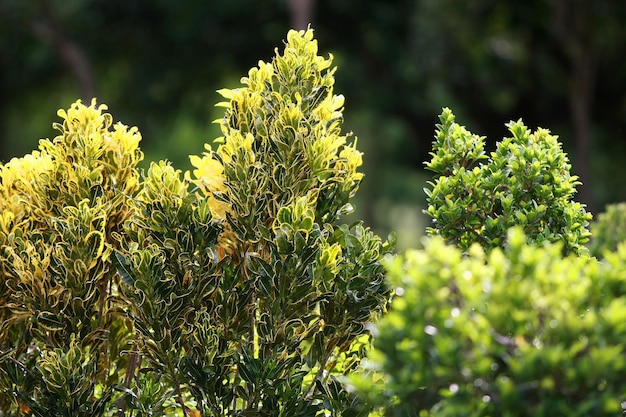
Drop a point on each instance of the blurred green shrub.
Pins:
(502, 313)
(526, 182)
(608, 230)
(520, 331)
(233, 290)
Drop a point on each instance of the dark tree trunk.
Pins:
(301, 12)
(572, 22)
(581, 100)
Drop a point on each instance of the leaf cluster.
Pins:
(608, 230)
(525, 182)
(520, 331)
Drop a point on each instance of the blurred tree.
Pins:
(158, 64)
(584, 30)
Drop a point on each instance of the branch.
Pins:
(47, 30)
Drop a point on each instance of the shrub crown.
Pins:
(525, 182)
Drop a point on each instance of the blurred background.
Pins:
(558, 64)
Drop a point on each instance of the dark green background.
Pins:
(156, 63)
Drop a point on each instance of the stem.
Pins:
(171, 371)
(321, 369)
(179, 393)
(234, 403)
(130, 370)
(480, 237)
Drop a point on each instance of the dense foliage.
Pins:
(63, 210)
(608, 230)
(493, 317)
(526, 181)
(232, 290)
(515, 332)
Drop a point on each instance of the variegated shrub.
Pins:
(230, 290)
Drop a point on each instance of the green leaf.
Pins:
(123, 267)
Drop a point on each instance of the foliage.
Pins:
(476, 198)
(520, 331)
(232, 290)
(608, 230)
(62, 208)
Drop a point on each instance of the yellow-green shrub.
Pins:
(232, 290)
(492, 317)
(519, 331)
(63, 208)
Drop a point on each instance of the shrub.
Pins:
(608, 230)
(63, 210)
(526, 182)
(493, 317)
(516, 332)
(232, 290)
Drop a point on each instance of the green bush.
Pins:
(516, 332)
(608, 230)
(526, 182)
(233, 290)
(493, 317)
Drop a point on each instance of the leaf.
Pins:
(50, 321)
(123, 267)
